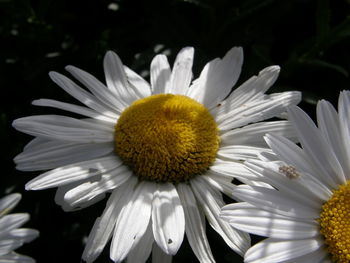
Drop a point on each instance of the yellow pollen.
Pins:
(167, 138)
(335, 224)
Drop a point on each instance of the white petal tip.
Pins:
(53, 74)
(29, 187)
(70, 68)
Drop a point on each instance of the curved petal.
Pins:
(14, 257)
(304, 189)
(182, 71)
(230, 116)
(240, 152)
(104, 225)
(82, 95)
(158, 255)
(23, 235)
(74, 108)
(344, 120)
(74, 172)
(89, 190)
(140, 86)
(318, 256)
(62, 190)
(132, 221)
(116, 80)
(254, 87)
(195, 225)
(168, 218)
(141, 252)
(99, 90)
(52, 154)
(328, 123)
(8, 202)
(252, 134)
(254, 220)
(64, 128)
(316, 147)
(236, 240)
(275, 201)
(217, 78)
(160, 75)
(274, 250)
(12, 221)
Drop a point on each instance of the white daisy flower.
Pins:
(167, 151)
(11, 236)
(306, 212)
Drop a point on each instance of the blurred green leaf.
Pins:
(325, 64)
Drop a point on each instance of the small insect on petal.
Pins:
(289, 171)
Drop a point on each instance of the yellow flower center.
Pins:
(335, 224)
(167, 138)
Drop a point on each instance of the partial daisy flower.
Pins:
(166, 151)
(305, 212)
(11, 236)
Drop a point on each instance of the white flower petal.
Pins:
(15, 258)
(23, 235)
(318, 256)
(8, 202)
(219, 183)
(89, 190)
(253, 134)
(182, 71)
(304, 189)
(132, 222)
(229, 116)
(275, 201)
(141, 252)
(62, 190)
(168, 218)
(116, 80)
(74, 172)
(344, 120)
(259, 222)
(104, 225)
(52, 154)
(273, 250)
(99, 90)
(12, 221)
(254, 87)
(160, 75)
(158, 256)
(236, 240)
(239, 152)
(73, 108)
(328, 123)
(63, 128)
(195, 225)
(140, 86)
(8, 245)
(217, 78)
(290, 153)
(82, 95)
(316, 147)
(228, 168)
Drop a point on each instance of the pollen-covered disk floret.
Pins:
(335, 224)
(167, 138)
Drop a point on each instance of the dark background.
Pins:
(308, 39)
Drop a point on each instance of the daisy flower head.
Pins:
(11, 236)
(303, 201)
(166, 151)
